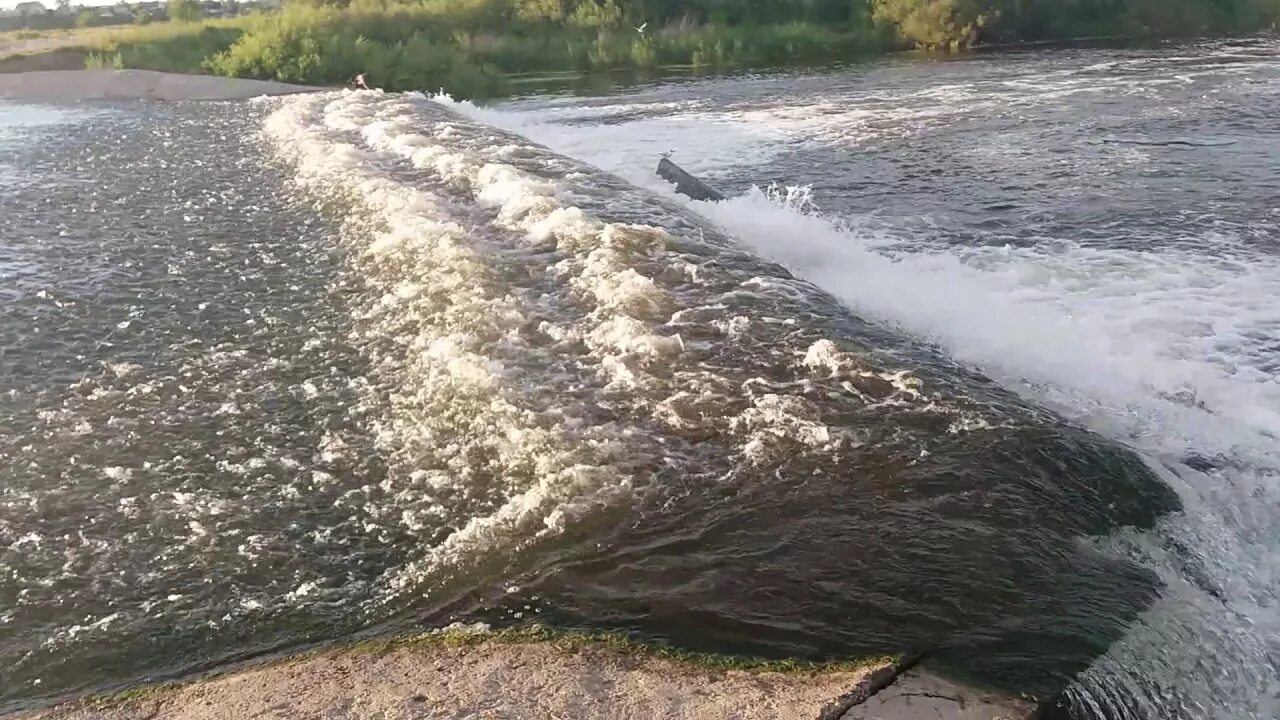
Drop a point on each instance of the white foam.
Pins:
(443, 304)
(119, 474)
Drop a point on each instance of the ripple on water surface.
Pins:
(379, 365)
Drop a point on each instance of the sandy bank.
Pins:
(542, 680)
(72, 85)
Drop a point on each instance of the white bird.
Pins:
(641, 28)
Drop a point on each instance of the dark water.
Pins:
(172, 364)
(280, 373)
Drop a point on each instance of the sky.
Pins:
(8, 4)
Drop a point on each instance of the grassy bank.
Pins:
(169, 47)
(468, 47)
(422, 47)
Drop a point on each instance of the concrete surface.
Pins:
(500, 681)
(72, 85)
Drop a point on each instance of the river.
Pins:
(980, 361)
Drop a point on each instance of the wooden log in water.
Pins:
(687, 184)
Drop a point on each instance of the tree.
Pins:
(140, 16)
(184, 11)
(86, 18)
(603, 15)
(937, 23)
(548, 11)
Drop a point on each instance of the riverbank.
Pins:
(472, 50)
(494, 675)
(419, 47)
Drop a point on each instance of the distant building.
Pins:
(213, 8)
(28, 9)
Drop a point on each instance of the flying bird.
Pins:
(642, 27)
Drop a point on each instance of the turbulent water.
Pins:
(281, 372)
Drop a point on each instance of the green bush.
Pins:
(958, 23)
(159, 46)
(467, 47)
(104, 61)
(327, 47)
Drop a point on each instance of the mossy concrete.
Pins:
(541, 673)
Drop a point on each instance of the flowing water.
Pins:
(281, 372)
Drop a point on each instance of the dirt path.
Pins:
(17, 43)
(65, 86)
(36, 62)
